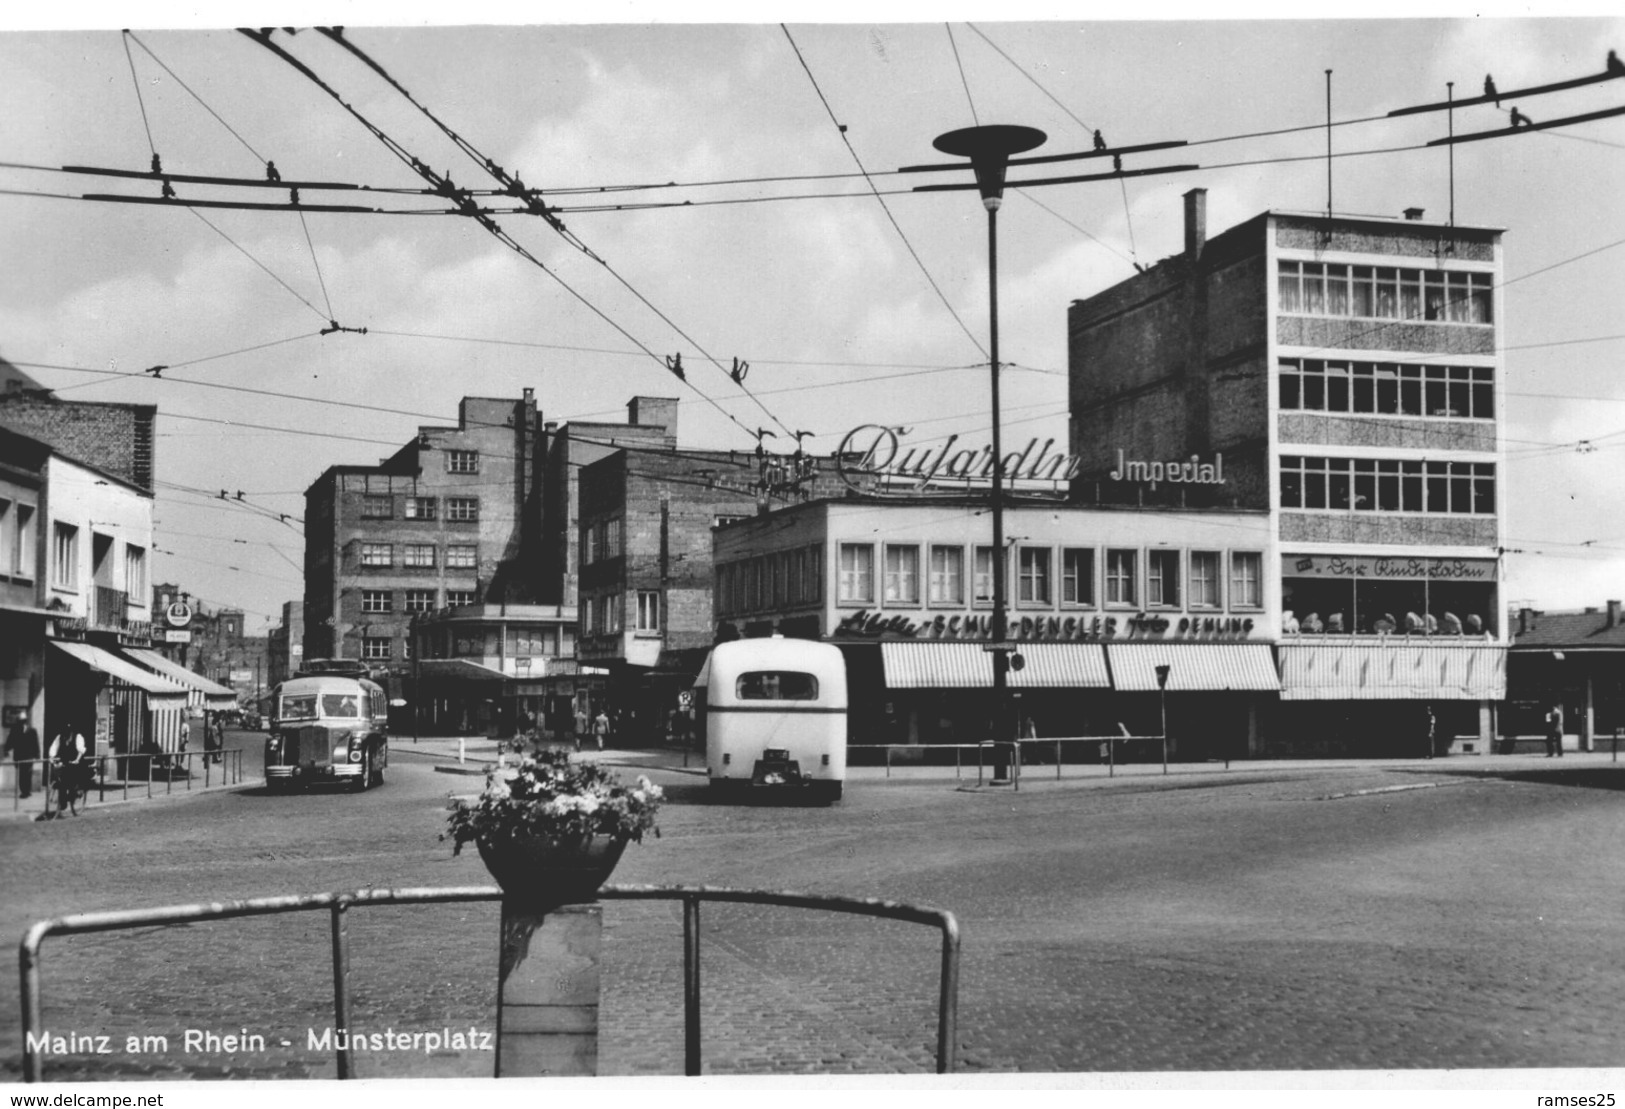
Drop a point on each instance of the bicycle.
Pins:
(66, 789)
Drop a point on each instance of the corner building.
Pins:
(1341, 373)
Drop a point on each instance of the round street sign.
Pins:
(179, 614)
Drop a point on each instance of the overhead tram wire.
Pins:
(959, 64)
(515, 187)
(465, 206)
(841, 128)
(140, 101)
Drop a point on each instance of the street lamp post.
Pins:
(1162, 702)
(989, 149)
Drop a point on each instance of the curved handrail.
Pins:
(338, 904)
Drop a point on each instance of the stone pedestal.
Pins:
(547, 994)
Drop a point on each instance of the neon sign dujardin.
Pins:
(873, 451)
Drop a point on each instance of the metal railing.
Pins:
(987, 746)
(339, 904)
(119, 773)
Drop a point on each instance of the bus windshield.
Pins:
(305, 706)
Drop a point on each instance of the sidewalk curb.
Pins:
(28, 816)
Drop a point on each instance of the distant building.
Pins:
(482, 668)
(445, 521)
(286, 647)
(1572, 659)
(115, 438)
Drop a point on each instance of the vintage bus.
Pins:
(773, 713)
(327, 727)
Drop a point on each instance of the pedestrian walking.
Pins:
(581, 725)
(214, 739)
(600, 728)
(23, 744)
(1554, 732)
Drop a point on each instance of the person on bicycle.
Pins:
(70, 760)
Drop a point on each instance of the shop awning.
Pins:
(209, 694)
(936, 665)
(1393, 670)
(458, 669)
(1193, 667)
(159, 690)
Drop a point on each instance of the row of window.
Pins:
(1387, 388)
(1384, 292)
(784, 579)
(413, 600)
(1037, 584)
(420, 556)
(17, 539)
(381, 506)
(65, 559)
(1388, 485)
(603, 613)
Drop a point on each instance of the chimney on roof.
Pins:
(1414, 213)
(1613, 614)
(1592, 610)
(1526, 620)
(1195, 223)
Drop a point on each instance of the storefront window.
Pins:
(1033, 584)
(1078, 576)
(902, 575)
(1204, 579)
(1122, 570)
(984, 575)
(947, 575)
(1246, 579)
(1162, 579)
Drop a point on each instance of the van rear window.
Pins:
(776, 685)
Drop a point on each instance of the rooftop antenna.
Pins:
(1328, 144)
(1450, 97)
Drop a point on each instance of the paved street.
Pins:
(1448, 914)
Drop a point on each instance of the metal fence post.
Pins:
(948, 1000)
(691, 985)
(341, 985)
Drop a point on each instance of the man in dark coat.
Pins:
(23, 743)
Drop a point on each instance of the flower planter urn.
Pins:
(543, 872)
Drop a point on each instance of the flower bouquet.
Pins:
(552, 830)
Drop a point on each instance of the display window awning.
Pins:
(458, 669)
(1194, 667)
(1394, 670)
(209, 694)
(160, 691)
(937, 665)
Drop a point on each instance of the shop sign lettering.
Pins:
(874, 451)
(1432, 569)
(1179, 471)
(866, 624)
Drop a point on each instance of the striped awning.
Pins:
(160, 691)
(937, 665)
(203, 692)
(1393, 670)
(1193, 667)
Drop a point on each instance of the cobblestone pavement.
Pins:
(1457, 914)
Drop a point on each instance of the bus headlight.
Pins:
(355, 753)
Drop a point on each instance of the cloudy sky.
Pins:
(849, 308)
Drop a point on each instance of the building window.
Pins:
(135, 573)
(1386, 388)
(459, 597)
(420, 600)
(982, 575)
(1162, 579)
(1205, 580)
(1388, 485)
(420, 556)
(1246, 579)
(902, 575)
(857, 584)
(462, 462)
(421, 508)
(376, 648)
(459, 557)
(377, 506)
(377, 600)
(65, 556)
(462, 508)
(947, 575)
(648, 610)
(1384, 292)
(1078, 576)
(377, 554)
(1032, 583)
(17, 545)
(1122, 571)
